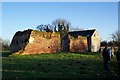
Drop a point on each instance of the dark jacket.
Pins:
(106, 55)
(118, 55)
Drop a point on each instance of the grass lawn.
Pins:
(55, 66)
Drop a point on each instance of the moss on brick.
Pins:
(47, 35)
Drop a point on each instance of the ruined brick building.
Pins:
(36, 42)
(81, 41)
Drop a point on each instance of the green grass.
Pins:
(59, 65)
(5, 53)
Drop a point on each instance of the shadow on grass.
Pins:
(86, 53)
(25, 67)
(55, 66)
(5, 53)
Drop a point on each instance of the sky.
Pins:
(119, 17)
(19, 16)
(59, 0)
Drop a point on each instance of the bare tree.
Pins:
(62, 26)
(1, 44)
(46, 28)
(40, 27)
(4, 44)
(116, 38)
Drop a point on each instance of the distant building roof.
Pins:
(85, 33)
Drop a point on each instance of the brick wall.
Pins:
(78, 44)
(37, 42)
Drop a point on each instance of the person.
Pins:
(112, 51)
(106, 58)
(118, 59)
